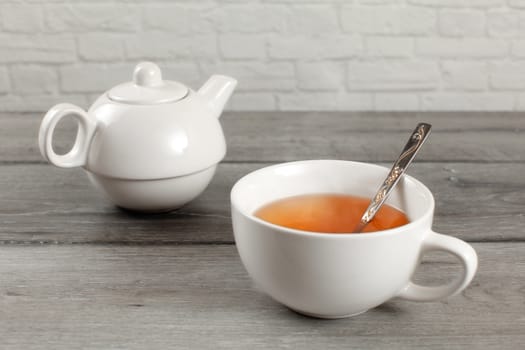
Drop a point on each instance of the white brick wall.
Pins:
(286, 54)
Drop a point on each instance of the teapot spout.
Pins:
(217, 91)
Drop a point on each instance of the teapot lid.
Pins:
(148, 87)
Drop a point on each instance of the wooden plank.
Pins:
(40, 203)
(373, 136)
(278, 136)
(151, 297)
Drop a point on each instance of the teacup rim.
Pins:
(327, 235)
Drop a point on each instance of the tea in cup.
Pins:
(329, 213)
(334, 275)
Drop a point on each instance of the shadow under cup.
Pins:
(339, 275)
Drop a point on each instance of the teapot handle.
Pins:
(77, 156)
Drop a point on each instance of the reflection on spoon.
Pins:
(416, 140)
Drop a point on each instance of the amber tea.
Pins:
(328, 213)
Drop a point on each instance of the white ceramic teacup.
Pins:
(339, 275)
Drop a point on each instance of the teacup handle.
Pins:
(77, 156)
(465, 253)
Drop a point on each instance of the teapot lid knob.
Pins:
(147, 74)
(148, 87)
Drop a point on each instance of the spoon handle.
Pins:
(413, 145)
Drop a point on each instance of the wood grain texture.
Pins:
(40, 203)
(78, 273)
(278, 136)
(187, 297)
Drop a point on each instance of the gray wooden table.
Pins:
(77, 273)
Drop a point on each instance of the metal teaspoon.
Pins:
(416, 140)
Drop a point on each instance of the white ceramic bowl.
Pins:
(159, 195)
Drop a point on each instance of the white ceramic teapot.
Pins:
(150, 144)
